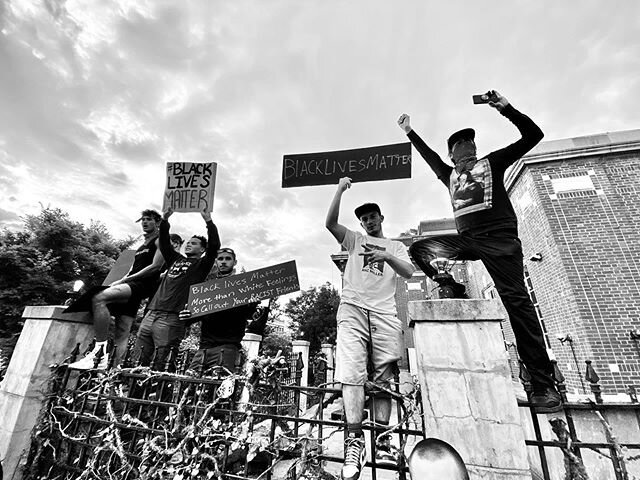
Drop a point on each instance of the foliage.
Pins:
(314, 315)
(39, 264)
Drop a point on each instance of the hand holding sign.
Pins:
(344, 184)
(167, 213)
(190, 186)
(205, 215)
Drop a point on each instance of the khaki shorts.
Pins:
(353, 337)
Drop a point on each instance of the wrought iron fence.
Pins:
(564, 426)
(133, 422)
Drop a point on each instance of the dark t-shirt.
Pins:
(182, 272)
(227, 326)
(478, 212)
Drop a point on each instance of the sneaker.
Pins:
(546, 401)
(89, 360)
(387, 453)
(354, 458)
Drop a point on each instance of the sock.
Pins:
(355, 430)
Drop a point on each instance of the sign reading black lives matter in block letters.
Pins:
(190, 186)
(243, 288)
(385, 162)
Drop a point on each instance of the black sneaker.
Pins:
(387, 453)
(354, 458)
(546, 401)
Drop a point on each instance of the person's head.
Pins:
(225, 261)
(370, 218)
(195, 246)
(462, 146)
(176, 241)
(150, 219)
(434, 459)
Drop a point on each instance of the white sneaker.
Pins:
(89, 360)
(354, 458)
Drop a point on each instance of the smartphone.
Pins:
(491, 97)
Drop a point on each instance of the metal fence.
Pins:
(564, 427)
(133, 422)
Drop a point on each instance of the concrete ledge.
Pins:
(54, 312)
(458, 310)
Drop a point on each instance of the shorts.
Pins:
(353, 341)
(139, 291)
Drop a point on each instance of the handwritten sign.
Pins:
(190, 186)
(243, 288)
(385, 162)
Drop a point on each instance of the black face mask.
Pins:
(463, 155)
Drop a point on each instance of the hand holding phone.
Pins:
(490, 96)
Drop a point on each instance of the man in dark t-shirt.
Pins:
(221, 332)
(161, 329)
(488, 231)
(122, 298)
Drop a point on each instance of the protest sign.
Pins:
(190, 186)
(385, 162)
(243, 288)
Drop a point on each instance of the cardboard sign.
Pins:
(385, 162)
(121, 267)
(243, 288)
(190, 186)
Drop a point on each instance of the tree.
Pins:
(39, 264)
(314, 315)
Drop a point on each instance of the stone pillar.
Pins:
(467, 393)
(302, 346)
(329, 353)
(251, 343)
(48, 337)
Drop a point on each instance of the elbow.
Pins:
(409, 272)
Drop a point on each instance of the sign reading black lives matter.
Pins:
(243, 288)
(190, 186)
(385, 162)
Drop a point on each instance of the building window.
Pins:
(534, 299)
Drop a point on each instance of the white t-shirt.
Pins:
(370, 285)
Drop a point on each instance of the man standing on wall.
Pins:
(161, 329)
(122, 298)
(369, 332)
(488, 231)
(221, 332)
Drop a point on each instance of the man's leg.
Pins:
(507, 271)
(99, 306)
(144, 340)
(121, 337)
(351, 361)
(167, 331)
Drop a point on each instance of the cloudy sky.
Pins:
(95, 97)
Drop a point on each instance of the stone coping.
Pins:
(458, 310)
(54, 312)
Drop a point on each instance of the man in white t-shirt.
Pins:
(369, 332)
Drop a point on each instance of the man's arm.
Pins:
(336, 229)
(164, 242)
(149, 270)
(401, 267)
(213, 239)
(441, 169)
(531, 134)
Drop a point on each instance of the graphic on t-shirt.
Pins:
(471, 190)
(178, 268)
(375, 267)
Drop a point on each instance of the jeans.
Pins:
(501, 254)
(159, 333)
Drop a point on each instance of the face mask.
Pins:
(463, 155)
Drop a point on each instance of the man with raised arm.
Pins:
(161, 329)
(369, 332)
(488, 231)
(122, 298)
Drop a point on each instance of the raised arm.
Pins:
(441, 169)
(213, 239)
(336, 229)
(531, 133)
(166, 249)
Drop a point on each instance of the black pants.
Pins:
(501, 254)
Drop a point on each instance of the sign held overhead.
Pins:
(190, 186)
